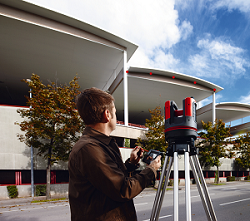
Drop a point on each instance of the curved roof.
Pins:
(55, 47)
(227, 111)
(240, 129)
(148, 88)
(72, 22)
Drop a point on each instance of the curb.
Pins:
(26, 200)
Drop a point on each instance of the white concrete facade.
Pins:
(15, 155)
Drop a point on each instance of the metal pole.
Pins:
(125, 88)
(176, 197)
(31, 161)
(203, 199)
(159, 190)
(164, 188)
(205, 190)
(187, 187)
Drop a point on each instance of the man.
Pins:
(99, 185)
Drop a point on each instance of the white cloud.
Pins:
(242, 5)
(199, 62)
(219, 59)
(245, 99)
(140, 59)
(159, 60)
(209, 100)
(164, 60)
(186, 29)
(153, 25)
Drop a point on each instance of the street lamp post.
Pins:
(31, 157)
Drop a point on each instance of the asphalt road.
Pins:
(231, 203)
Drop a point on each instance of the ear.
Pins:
(106, 116)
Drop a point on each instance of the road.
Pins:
(231, 203)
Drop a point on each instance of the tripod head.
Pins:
(181, 127)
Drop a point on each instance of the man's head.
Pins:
(92, 104)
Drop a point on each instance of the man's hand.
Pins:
(136, 155)
(156, 164)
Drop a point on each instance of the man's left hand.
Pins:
(136, 155)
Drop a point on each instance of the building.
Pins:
(54, 46)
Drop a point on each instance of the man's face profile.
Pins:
(112, 122)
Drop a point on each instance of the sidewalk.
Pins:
(28, 200)
(24, 200)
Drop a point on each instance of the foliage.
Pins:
(171, 183)
(242, 147)
(214, 144)
(41, 190)
(155, 135)
(13, 192)
(247, 178)
(127, 142)
(51, 124)
(230, 178)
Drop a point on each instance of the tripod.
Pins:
(190, 156)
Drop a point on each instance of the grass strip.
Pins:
(218, 184)
(42, 201)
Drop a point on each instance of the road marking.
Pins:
(141, 196)
(162, 217)
(139, 204)
(165, 216)
(199, 195)
(10, 211)
(234, 202)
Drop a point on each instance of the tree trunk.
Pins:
(218, 176)
(48, 183)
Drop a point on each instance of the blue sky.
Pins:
(207, 39)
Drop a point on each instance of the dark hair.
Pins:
(91, 104)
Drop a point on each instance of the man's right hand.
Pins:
(156, 163)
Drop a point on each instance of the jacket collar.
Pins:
(97, 135)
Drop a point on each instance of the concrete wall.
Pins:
(3, 193)
(15, 155)
(128, 132)
(56, 190)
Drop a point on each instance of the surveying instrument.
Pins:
(180, 133)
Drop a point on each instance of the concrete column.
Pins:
(213, 110)
(125, 89)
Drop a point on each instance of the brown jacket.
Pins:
(99, 185)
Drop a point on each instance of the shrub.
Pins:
(170, 182)
(13, 192)
(230, 178)
(41, 190)
(247, 178)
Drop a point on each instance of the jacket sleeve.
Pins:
(110, 177)
(130, 166)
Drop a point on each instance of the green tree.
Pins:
(51, 124)
(214, 144)
(242, 147)
(155, 135)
